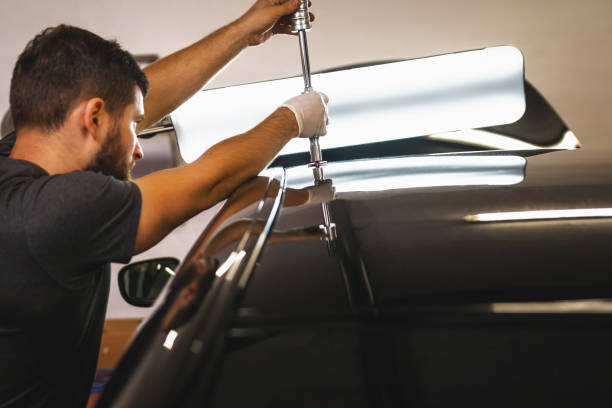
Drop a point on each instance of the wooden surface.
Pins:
(115, 339)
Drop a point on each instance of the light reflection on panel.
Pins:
(541, 215)
(384, 102)
(230, 262)
(490, 140)
(417, 171)
(563, 306)
(170, 338)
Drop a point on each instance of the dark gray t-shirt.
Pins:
(57, 236)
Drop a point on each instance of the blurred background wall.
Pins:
(567, 44)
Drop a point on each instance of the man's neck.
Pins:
(49, 151)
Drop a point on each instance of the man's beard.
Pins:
(111, 160)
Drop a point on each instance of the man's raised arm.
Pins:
(175, 78)
(170, 197)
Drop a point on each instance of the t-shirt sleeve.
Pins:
(78, 220)
(7, 143)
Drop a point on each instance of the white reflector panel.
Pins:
(398, 100)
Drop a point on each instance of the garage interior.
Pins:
(566, 45)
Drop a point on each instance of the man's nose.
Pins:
(138, 152)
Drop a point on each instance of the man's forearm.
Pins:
(175, 78)
(241, 157)
(170, 197)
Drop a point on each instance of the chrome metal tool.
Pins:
(300, 23)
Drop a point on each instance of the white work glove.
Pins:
(321, 193)
(310, 110)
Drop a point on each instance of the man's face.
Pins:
(121, 149)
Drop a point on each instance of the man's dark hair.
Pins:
(65, 65)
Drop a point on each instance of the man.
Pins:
(66, 207)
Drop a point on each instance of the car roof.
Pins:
(418, 243)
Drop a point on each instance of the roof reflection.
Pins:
(416, 171)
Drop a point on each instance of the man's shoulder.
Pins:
(89, 182)
(32, 192)
(81, 212)
(31, 175)
(84, 192)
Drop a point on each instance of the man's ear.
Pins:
(94, 117)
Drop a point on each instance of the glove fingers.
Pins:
(311, 113)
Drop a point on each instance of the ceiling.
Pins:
(567, 44)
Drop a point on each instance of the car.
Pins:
(428, 271)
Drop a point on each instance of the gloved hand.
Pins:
(310, 111)
(321, 193)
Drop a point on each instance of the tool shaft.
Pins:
(300, 23)
(316, 158)
(305, 60)
(315, 150)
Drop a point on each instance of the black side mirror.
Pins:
(140, 283)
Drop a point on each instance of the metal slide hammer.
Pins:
(300, 23)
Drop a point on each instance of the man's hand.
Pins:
(177, 77)
(310, 110)
(320, 193)
(268, 17)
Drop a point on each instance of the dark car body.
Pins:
(422, 273)
(403, 305)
